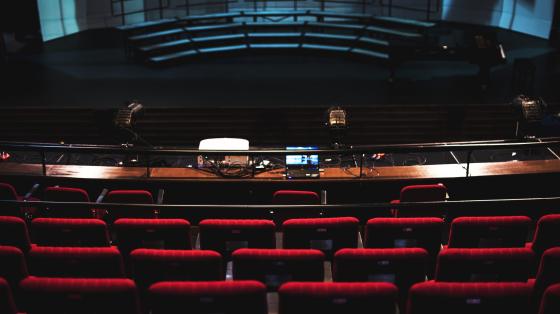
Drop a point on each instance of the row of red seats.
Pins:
(402, 267)
(326, 234)
(418, 193)
(69, 295)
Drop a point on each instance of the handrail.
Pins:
(390, 148)
(165, 5)
(438, 204)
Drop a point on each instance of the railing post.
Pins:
(469, 162)
(148, 165)
(428, 10)
(361, 164)
(44, 162)
(390, 7)
(161, 9)
(253, 170)
(187, 8)
(123, 15)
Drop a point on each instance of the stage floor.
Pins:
(90, 70)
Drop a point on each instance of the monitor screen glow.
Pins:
(302, 160)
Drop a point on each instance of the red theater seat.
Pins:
(13, 267)
(7, 304)
(227, 235)
(424, 233)
(469, 298)
(421, 193)
(70, 232)
(76, 262)
(67, 194)
(291, 197)
(276, 266)
(329, 297)
(547, 234)
(150, 266)
(248, 297)
(484, 265)
(172, 234)
(549, 271)
(488, 232)
(71, 295)
(130, 197)
(9, 193)
(402, 267)
(550, 303)
(326, 234)
(13, 232)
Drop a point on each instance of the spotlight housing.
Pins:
(337, 123)
(336, 118)
(126, 116)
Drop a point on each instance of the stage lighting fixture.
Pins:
(337, 123)
(126, 116)
(531, 111)
(336, 118)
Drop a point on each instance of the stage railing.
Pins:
(382, 7)
(359, 155)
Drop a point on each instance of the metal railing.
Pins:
(358, 153)
(432, 7)
(384, 7)
(449, 209)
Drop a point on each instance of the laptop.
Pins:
(302, 166)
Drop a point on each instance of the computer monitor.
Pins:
(302, 166)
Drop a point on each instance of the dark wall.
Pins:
(20, 17)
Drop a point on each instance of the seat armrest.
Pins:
(160, 195)
(31, 191)
(101, 196)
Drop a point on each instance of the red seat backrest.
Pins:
(550, 303)
(227, 235)
(248, 297)
(76, 262)
(150, 266)
(13, 232)
(337, 297)
(487, 232)
(462, 298)
(276, 266)
(326, 234)
(72, 295)
(7, 304)
(484, 265)
(152, 233)
(70, 232)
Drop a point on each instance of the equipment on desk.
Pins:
(302, 166)
(223, 144)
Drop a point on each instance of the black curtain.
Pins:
(555, 31)
(20, 17)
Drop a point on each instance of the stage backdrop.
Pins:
(63, 17)
(533, 17)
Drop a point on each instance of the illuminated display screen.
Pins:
(302, 160)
